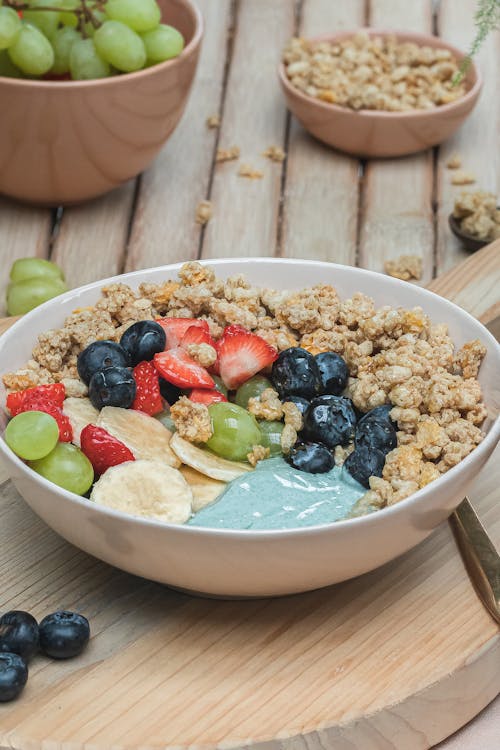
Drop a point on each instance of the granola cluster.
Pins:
(379, 73)
(394, 355)
(405, 267)
(478, 214)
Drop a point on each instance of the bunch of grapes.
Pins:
(83, 39)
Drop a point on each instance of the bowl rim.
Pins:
(491, 438)
(121, 79)
(404, 34)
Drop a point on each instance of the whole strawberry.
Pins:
(147, 397)
(102, 449)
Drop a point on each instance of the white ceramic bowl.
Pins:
(256, 563)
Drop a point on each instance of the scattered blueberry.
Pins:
(364, 463)
(19, 634)
(13, 676)
(98, 356)
(113, 386)
(333, 371)
(314, 458)
(295, 373)
(143, 340)
(64, 634)
(379, 413)
(376, 433)
(330, 420)
(301, 403)
(170, 392)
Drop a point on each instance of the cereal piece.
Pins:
(192, 420)
(227, 154)
(461, 177)
(340, 453)
(203, 353)
(469, 357)
(404, 267)
(266, 406)
(288, 439)
(429, 473)
(454, 162)
(51, 350)
(274, 153)
(246, 170)
(204, 212)
(368, 503)
(431, 438)
(194, 273)
(259, 453)
(403, 463)
(213, 122)
(293, 415)
(159, 294)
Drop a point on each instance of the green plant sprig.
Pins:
(486, 20)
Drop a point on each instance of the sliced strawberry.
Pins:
(102, 449)
(197, 335)
(36, 402)
(179, 368)
(53, 393)
(147, 395)
(204, 396)
(175, 328)
(241, 355)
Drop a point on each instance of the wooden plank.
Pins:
(320, 209)
(478, 140)
(164, 228)
(24, 231)
(397, 215)
(91, 240)
(246, 210)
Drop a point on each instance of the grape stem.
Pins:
(83, 13)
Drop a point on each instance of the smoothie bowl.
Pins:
(249, 427)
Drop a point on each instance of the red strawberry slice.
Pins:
(102, 449)
(204, 396)
(35, 402)
(53, 393)
(175, 328)
(241, 355)
(147, 395)
(181, 370)
(196, 335)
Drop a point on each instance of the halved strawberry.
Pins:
(196, 335)
(35, 402)
(147, 395)
(204, 396)
(175, 328)
(102, 449)
(176, 366)
(241, 355)
(54, 393)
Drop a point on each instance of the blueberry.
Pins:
(314, 458)
(333, 371)
(364, 463)
(13, 676)
(301, 403)
(98, 356)
(64, 634)
(19, 634)
(143, 340)
(113, 386)
(170, 392)
(295, 373)
(330, 420)
(376, 433)
(380, 413)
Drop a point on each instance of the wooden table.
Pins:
(317, 203)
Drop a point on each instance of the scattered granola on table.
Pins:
(404, 267)
(454, 162)
(248, 171)
(461, 177)
(227, 154)
(204, 212)
(274, 153)
(213, 122)
(479, 214)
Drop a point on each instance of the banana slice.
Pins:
(148, 489)
(205, 462)
(205, 490)
(145, 436)
(80, 413)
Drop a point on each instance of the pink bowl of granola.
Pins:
(248, 427)
(378, 93)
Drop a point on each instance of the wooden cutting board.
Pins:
(396, 659)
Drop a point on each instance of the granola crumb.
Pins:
(288, 439)
(192, 420)
(227, 154)
(258, 453)
(204, 354)
(266, 406)
(293, 415)
(204, 212)
(248, 171)
(213, 122)
(461, 177)
(404, 267)
(274, 153)
(478, 214)
(454, 162)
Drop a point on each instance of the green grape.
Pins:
(29, 268)
(7, 67)
(66, 17)
(67, 467)
(251, 389)
(10, 26)
(45, 20)
(120, 46)
(219, 385)
(32, 51)
(62, 43)
(162, 44)
(89, 28)
(139, 15)
(235, 431)
(23, 296)
(85, 63)
(32, 435)
(270, 436)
